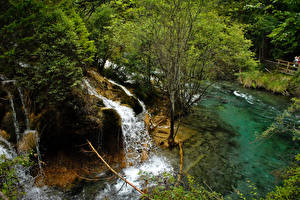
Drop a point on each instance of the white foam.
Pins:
(248, 98)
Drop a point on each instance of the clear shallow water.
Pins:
(233, 158)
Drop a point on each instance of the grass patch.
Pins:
(275, 82)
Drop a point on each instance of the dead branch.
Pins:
(111, 169)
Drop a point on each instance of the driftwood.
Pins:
(111, 169)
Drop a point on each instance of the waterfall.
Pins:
(136, 138)
(27, 122)
(6, 148)
(24, 108)
(26, 181)
(130, 94)
(37, 140)
(16, 124)
(10, 96)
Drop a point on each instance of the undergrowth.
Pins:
(275, 82)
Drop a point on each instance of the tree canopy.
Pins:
(45, 47)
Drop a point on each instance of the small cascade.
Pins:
(16, 124)
(27, 122)
(24, 108)
(130, 94)
(136, 138)
(26, 181)
(37, 140)
(6, 148)
(136, 141)
(10, 96)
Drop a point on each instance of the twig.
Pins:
(111, 169)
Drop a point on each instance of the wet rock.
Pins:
(111, 130)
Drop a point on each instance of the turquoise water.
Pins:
(234, 160)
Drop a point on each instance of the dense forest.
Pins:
(58, 59)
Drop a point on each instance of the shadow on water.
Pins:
(224, 153)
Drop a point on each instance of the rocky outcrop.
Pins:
(63, 131)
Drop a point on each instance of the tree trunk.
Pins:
(172, 113)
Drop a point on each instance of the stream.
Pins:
(222, 151)
(231, 159)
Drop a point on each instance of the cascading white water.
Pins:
(133, 128)
(16, 124)
(6, 149)
(129, 94)
(28, 130)
(136, 140)
(25, 109)
(26, 181)
(11, 100)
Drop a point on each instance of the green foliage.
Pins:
(101, 29)
(273, 26)
(275, 82)
(286, 123)
(168, 190)
(45, 47)
(229, 49)
(9, 182)
(168, 47)
(291, 185)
